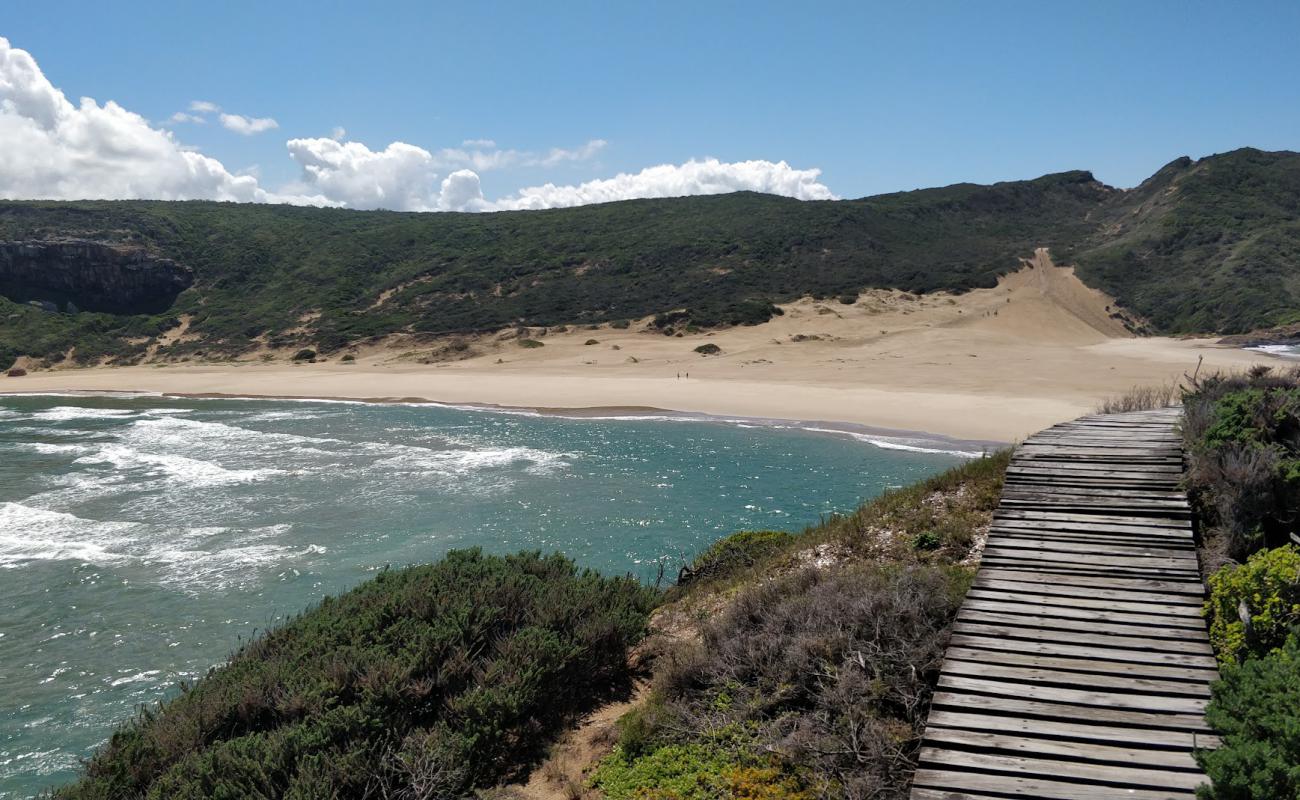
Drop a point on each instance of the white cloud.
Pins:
(401, 176)
(709, 176)
(405, 177)
(52, 149)
(247, 126)
(461, 191)
(587, 151)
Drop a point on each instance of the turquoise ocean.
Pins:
(142, 537)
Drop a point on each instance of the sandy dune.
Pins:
(992, 364)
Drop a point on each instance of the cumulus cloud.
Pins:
(401, 176)
(405, 177)
(708, 176)
(52, 149)
(247, 126)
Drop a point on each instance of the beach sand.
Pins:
(993, 364)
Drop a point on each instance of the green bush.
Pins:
(1243, 438)
(1267, 589)
(531, 344)
(927, 540)
(733, 554)
(673, 772)
(305, 354)
(427, 681)
(1254, 707)
(708, 349)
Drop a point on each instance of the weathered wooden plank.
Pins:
(1104, 774)
(1010, 549)
(1191, 587)
(1120, 594)
(1137, 642)
(1094, 666)
(1069, 679)
(952, 784)
(1037, 621)
(1051, 515)
(1178, 624)
(988, 643)
(1122, 549)
(1035, 708)
(1072, 696)
(1116, 542)
(1048, 601)
(1150, 738)
(1035, 747)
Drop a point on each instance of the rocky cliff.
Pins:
(78, 275)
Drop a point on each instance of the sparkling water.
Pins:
(142, 537)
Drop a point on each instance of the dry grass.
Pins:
(1142, 398)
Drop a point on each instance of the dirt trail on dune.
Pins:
(1050, 304)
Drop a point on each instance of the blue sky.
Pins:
(879, 97)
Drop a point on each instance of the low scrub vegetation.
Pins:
(424, 682)
(1243, 437)
(811, 674)
(817, 681)
(1253, 607)
(1142, 398)
(1254, 709)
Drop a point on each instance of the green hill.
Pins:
(1204, 246)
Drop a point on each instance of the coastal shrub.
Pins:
(423, 682)
(348, 358)
(620, 324)
(531, 344)
(305, 354)
(1253, 606)
(590, 342)
(927, 540)
(823, 675)
(708, 349)
(1253, 707)
(733, 554)
(16, 372)
(1242, 433)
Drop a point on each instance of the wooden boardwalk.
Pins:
(1079, 666)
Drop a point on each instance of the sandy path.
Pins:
(993, 364)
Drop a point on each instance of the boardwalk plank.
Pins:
(1079, 666)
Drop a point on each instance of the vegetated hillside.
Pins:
(423, 682)
(1203, 246)
(1209, 246)
(259, 269)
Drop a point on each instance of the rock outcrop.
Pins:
(77, 275)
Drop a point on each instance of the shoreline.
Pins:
(881, 437)
(989, 365)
